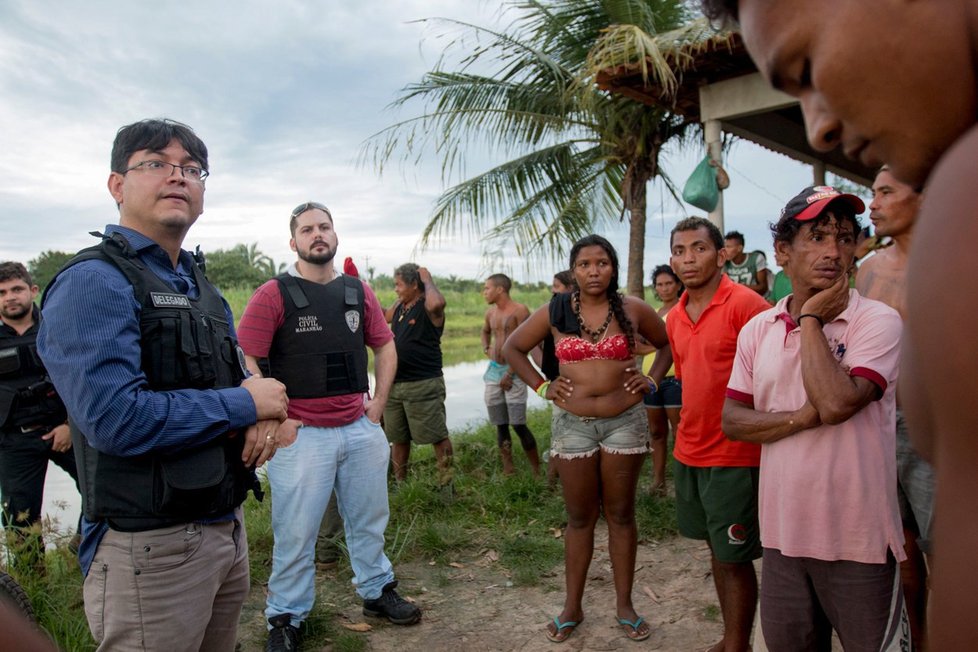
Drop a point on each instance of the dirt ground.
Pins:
(470, 604)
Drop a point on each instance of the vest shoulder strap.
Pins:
(287, 282)
(353, 295)
(352, 290)
(113, 249)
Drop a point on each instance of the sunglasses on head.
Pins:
(309, 205)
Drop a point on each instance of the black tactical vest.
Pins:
(186, 344)
(319, 350)
(28, 400)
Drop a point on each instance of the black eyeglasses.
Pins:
(309, 205)
(163, 169)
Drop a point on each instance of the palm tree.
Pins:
(575, 158)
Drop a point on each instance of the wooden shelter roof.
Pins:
(704, 57)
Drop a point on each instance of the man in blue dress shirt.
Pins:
(166, 426)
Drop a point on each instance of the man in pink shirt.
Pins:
(313, 325)
(813, 382)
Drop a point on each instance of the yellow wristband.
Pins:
(542, 389)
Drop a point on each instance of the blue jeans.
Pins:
(352, 459)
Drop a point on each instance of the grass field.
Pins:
(465, 314)
(516, 516)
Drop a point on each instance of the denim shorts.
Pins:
(574, 436)
(669, 394)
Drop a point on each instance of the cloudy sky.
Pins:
(284, 94)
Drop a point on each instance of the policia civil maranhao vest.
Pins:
(319, 349)
(28, 400)
(186, 344)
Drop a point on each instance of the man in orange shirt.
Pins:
(715, 478)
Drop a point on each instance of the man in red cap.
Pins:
(813, 382)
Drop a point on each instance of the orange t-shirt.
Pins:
(704, 354)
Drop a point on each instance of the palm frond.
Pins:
(525, 95)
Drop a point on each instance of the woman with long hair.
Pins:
(662, 406)
(600, 434)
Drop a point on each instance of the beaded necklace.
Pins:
(595, 334)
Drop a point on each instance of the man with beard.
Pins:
(895, 82)
(313, 324)
(33, 421)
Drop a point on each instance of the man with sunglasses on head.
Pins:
(166, 427)
(313, 324)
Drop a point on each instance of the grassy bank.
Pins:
(517, 518)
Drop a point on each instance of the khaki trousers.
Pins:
(175, 589)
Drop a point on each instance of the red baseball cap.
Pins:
(810, 202)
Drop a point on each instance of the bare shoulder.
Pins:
(942, 352)
(867, 270)
(941, 287)
(948, 224)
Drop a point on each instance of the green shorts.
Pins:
(719, 504)
(416, 412)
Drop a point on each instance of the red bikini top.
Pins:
(574, 349)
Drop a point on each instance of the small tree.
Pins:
(241, 266)
(46, 265)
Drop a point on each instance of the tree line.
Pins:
(241, 266)
(244, 266)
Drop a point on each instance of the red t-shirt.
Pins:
(265, 313)
(704, 355)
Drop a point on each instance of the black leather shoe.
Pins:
(392, 607)
(283, 636)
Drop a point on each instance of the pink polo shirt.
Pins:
(829, 492)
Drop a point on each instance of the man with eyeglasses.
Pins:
(167, 428)
(313, 324)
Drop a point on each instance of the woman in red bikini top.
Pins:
(599, 433)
